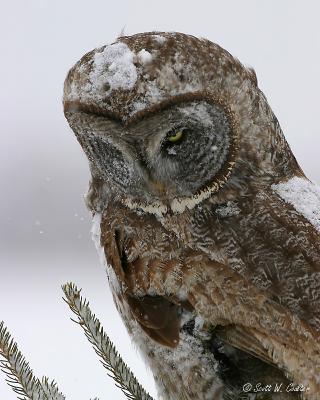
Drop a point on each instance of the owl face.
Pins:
(173, 153)
(167, 119)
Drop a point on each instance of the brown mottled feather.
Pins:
(210, 285)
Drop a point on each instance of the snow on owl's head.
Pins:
(167, 119)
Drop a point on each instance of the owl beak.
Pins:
(158, 187)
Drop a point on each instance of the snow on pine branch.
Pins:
(19, 374)
(103, 346)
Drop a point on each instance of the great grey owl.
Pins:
(210, 229)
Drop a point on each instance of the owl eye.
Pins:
(175, 135)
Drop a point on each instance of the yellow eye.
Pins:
(175, 137)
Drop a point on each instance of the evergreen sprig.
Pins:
(110, 358)
(28, 387)
(19, 374)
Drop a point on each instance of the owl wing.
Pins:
(159, 316)
(273, 252)
(162, 276)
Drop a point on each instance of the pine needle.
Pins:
(51, 389)
(19, 374)
(110, 358)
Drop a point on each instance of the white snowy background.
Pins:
(44, 226)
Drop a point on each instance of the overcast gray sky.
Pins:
(44, 226)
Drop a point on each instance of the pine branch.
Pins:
(22, 380)
(19, 374)
(103, 346)
(51, 389)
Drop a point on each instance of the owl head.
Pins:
(168, 120)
